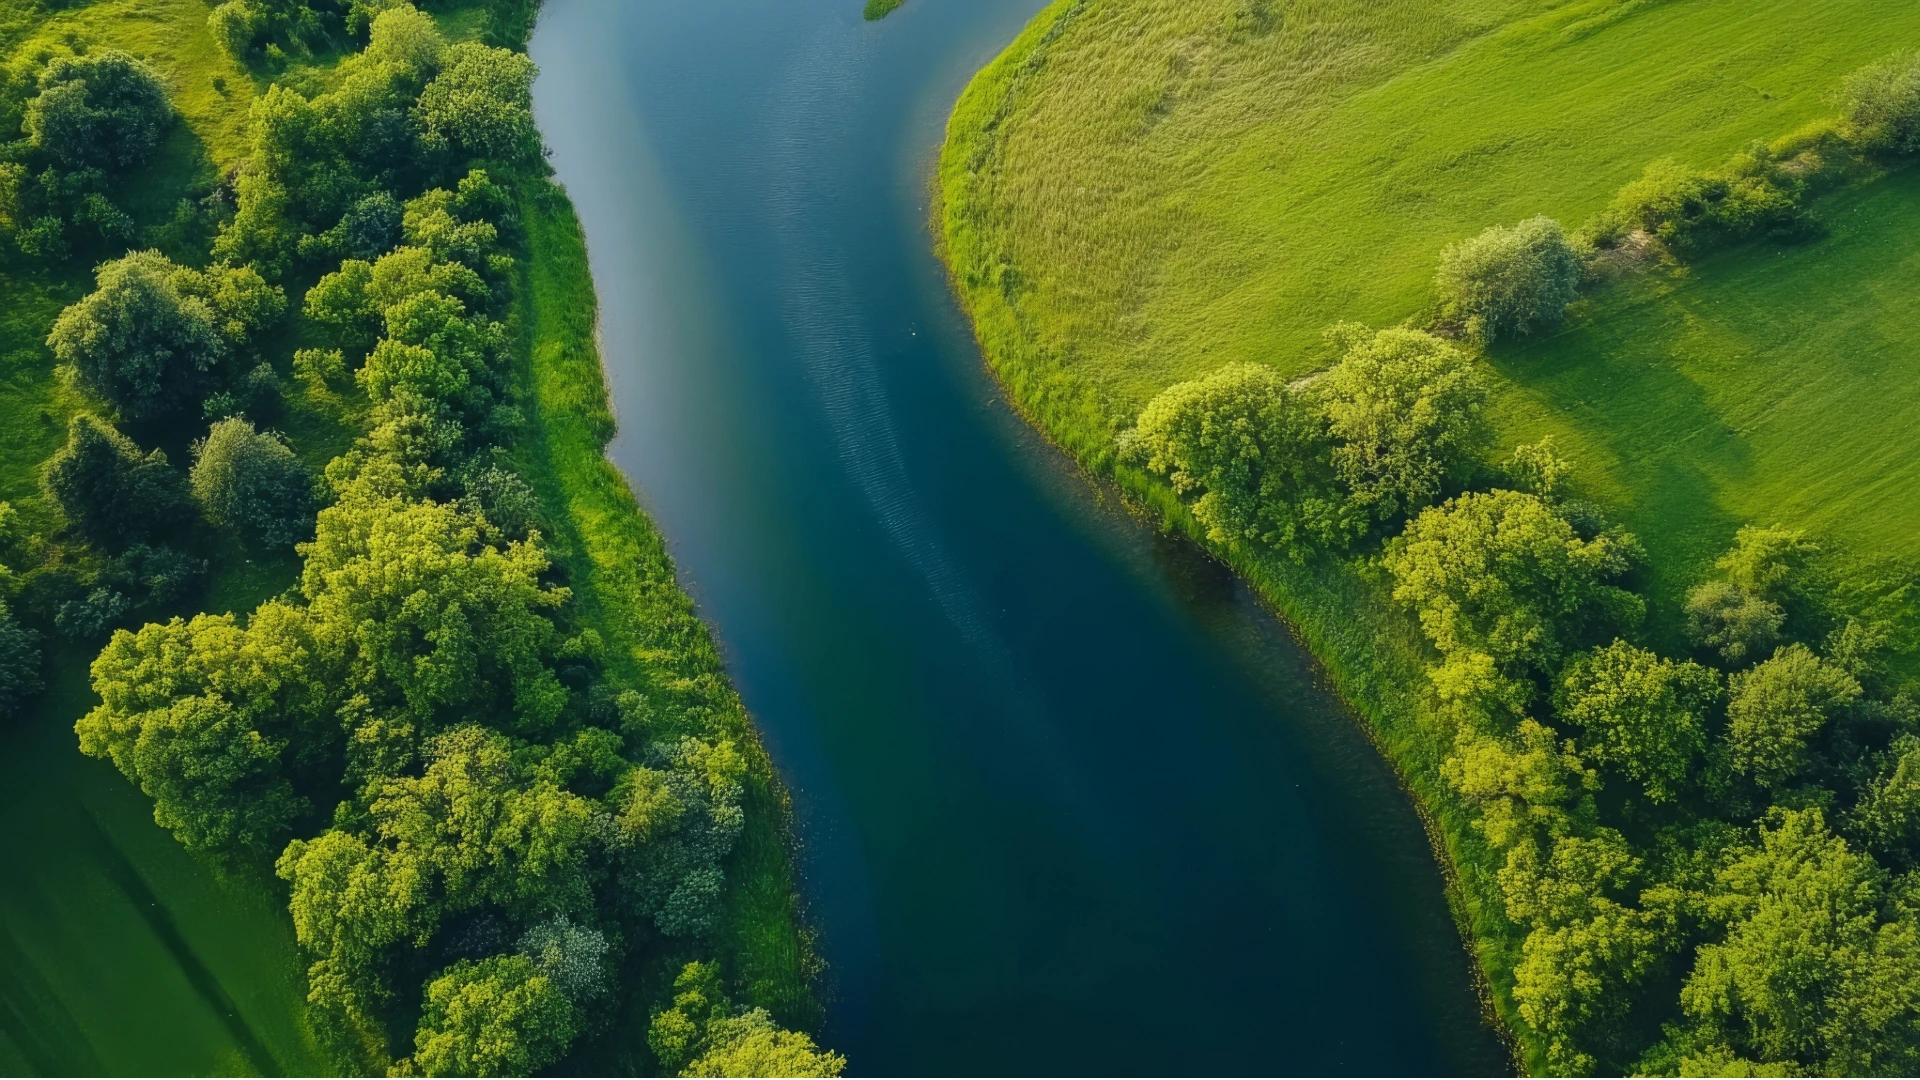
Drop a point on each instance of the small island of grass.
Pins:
(880, 9)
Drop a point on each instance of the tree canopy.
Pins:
(104, 110)
(1257, 456)
(1405, 410)
(112, 493)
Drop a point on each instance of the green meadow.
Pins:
(1136, 194)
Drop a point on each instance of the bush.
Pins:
(1257, 455)
(252, 482)
(105, 110)
(1507, 281)
(1881, 110)
(110, 492)
(1692, 211)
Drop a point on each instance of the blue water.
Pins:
(1069, 801)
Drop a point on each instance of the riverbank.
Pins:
(126, 953)
(1137, 196)
(619, 567)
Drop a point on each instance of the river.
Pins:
(1069, 800)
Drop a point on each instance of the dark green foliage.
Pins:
(879, 9)
(1507, 281)
(104, 110)
(138, 340)
(90, 617)
(506, 500)
(369, 229)
(109, 491)
(147, 337)
(19, 663)
(251, 482)
(1734, 622)
(163, 575)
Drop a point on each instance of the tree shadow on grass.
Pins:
(1667, 448)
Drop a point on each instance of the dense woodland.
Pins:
(489, 836)
(1711, 856)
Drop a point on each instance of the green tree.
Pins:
(702, 1035)
(481, 105)
(1775, 710)
(112, 493)
(416, 610)
(1811, 978)
(188, 713)
(752, 1045)
(483, 830)
(1507, 281)
(104, 110)
(1503, 574)
(1881, 109)
(253, 483)
(1727, 618)
(1643, 715)
(494, 1017)
(1255, 453)
(1886, 819)
(1406, 412)
(139, 339)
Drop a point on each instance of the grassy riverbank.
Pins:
(1138, 194)
(119, 951)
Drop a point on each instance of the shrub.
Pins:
(110, 492)
(1509, 280)
(1691, 211)
(105, 110)
(1881, 105)
(1256, 454)
(252, 482)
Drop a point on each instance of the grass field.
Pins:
(119, 952)
(1136, 193)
